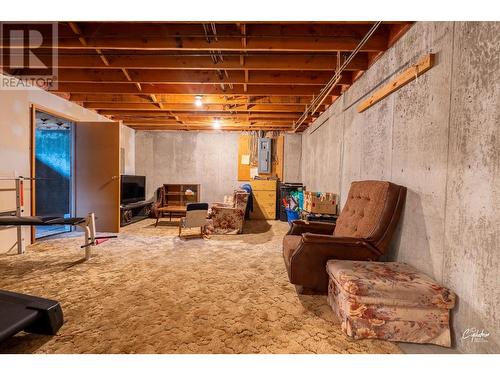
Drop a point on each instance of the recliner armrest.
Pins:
(312, 238)
(306, 265)
(299, 227)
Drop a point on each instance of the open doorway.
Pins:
(53, 170)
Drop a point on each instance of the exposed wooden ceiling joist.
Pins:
(193, 108)
(299, 44)
(195, 77)
(264, 37)
(131, 60)
(199, 89)
(179, 76)
(189, 99)
(232, 122)
(209, 116)
(192, 127)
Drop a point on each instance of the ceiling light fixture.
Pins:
(197, 100)
(216, 124)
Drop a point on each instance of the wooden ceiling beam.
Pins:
(209, 123)
(252, 115)
(226, 29)
(151, 107)
(195, 121)
(76, 30)
(196, 77)
(147, 74)
(307, 23)
(318, 43)
(124, 88)
(189, 99)
(129, 60)
(191, 121)
(83, 41)
(243, 30)
(206, 127)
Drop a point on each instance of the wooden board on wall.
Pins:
(423, 65)
(243, 149)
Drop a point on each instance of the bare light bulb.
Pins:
(216, 124)
(197, 101)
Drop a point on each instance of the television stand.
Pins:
(134, 212)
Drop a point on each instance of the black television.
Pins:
(132, 188)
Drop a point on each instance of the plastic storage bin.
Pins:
(292, 215)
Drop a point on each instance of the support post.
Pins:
(21, 246)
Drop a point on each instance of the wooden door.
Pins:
(97, 173)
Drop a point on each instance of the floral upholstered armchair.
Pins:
(228, 217)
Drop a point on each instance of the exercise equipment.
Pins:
(15, 218)
(19, 189)
(22, 312)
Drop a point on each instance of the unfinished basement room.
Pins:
(249, 186)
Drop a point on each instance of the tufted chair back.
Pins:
(371, 212)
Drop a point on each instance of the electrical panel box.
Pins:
(264, 154)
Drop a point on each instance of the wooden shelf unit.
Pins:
(175, 194)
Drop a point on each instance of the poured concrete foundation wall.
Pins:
(293, 158)
(127, 148)
(205, 158)
(438, 136)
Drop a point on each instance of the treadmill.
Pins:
(22, 312)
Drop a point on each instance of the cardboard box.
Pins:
(320, 203)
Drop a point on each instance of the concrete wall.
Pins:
(439, 137)
(472, 232)
(206, 158)
(15, 119)
(127, 146)
(293, 158)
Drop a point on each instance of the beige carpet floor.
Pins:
(150, 292)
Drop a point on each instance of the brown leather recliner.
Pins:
(363, 231)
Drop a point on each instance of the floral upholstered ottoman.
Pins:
(391, 301)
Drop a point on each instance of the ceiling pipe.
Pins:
(325, 91)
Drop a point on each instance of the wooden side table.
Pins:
(170, 210)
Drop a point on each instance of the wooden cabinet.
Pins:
(264, 199)
(181, 194)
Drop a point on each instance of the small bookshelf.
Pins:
(181, 194)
